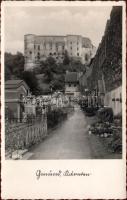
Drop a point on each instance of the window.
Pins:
(74, 85)
(50, 45)
(71, 48)
(77, 54)
(50, 54)
(25, 46)
(120, 98)
(30, 52)
(54, 53)
(38, 47)
(70, 42)
(34, 46)
(38, 56)
(69, 85)
(77, 48)
(86, 57)
(63, 47)
(21, 96)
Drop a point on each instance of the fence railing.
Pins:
(21, 135)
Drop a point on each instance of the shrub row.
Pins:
(55, 116)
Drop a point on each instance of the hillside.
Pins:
(44, 78)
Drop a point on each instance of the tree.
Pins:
(50, 61)
(30, 78)
(14, 65)
(18, 64)
(66, 60)
(57, 83)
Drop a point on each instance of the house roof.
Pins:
(14, 84)
(71, 77)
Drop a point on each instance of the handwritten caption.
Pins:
(60, 173)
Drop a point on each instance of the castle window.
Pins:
(50, 54)
(70, 42)
(38, 56)
(69, 85)
(54, 53)
(50, 46)
(25, 46)
(38, 47)
(77, 48)
(30, 52)
(70, 47)
(34, 46)
(77, 54)
(63, 47)
(86, 57)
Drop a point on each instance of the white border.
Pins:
(108, 176)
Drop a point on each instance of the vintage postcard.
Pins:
(63, 97)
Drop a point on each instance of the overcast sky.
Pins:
(86, 21)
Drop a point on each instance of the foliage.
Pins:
(57, 83)
(30, 78)
(14, 65)
(66, 60)
(54, 117)
(105, 114)
(53, 73)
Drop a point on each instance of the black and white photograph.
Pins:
(64, 82)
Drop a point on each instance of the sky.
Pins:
(86, 21)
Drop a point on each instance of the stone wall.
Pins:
(113, 99)
(107, 62)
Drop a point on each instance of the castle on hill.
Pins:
(38, 48)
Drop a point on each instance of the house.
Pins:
(14, 92)
(72, 84)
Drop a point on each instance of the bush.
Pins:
(105, 114)
(54, 117)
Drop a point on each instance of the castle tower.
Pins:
(74, 46)
(29, 53)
